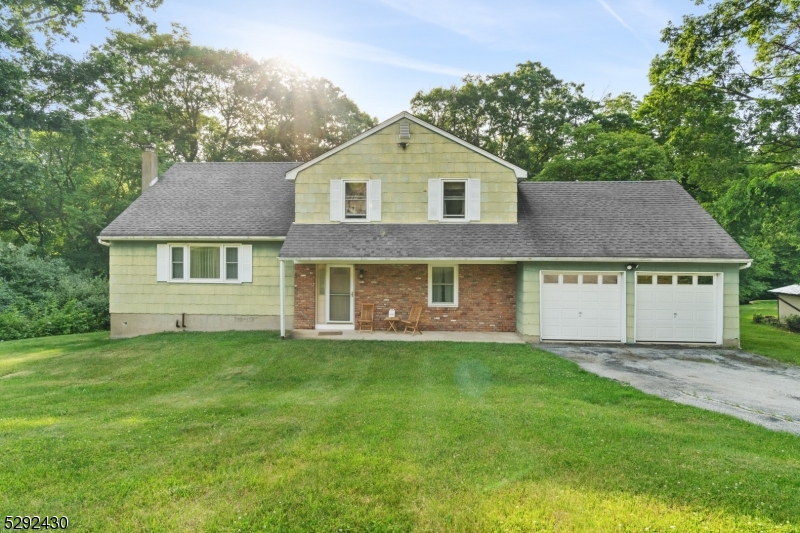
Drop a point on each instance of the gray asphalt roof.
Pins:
(655, 219)
(212, 199)
(790, 289)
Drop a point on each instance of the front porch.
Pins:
(428, 336)
(456, 297)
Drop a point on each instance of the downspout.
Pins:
(282, 285)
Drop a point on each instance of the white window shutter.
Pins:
(337, 199)
(474, 199)
(246, 263)
(162, 262)
(434, 199)
(374, 204)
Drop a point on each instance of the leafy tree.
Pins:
(704, 53)
(519, 116)
(211, 105)
(598, 155)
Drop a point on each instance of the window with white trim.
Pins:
(454, 199)
(204, 263)
(443, 285)
(355, 200)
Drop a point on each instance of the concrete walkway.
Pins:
(751, 387)
(452, 336)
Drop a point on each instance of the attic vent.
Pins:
(405, 132)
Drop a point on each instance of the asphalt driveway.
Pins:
(751, 387)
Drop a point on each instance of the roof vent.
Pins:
(405, 131)
(405, 135)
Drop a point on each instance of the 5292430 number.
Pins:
(36, 522)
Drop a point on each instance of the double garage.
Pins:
(667, 306)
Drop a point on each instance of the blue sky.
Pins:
(381, 52)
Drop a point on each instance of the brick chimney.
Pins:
(149, 166)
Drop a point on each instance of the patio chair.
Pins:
(413, 320)
(367, 315)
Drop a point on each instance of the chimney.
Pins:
(149, 167)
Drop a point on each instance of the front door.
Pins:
(340, 294)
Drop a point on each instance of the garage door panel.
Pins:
(590, 311)
(676, 313)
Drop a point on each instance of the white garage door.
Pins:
(583, 307)
(676, 308)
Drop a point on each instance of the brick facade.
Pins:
(486, 296)
(305, 282)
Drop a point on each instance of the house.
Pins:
(407, 213)
(788, 301)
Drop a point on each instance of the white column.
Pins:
(282, 284)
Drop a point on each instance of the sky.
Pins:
(381, 52)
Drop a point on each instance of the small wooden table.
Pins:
(392, 323)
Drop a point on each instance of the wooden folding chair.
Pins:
(367, 315)
(413, 320)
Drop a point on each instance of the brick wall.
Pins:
(305, 282)
(486, 296)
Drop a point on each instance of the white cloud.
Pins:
(483, 22)
(625, 25)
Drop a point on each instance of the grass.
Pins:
(244, 432)
(764, 339)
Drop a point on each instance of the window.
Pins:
(685, 280)
(609, 280)
(443, 286)
(644, 280)
(664, 280)
(177, 262)
(454, 199)
(705, 280)
(570, 279)
(355, 200)
(231, 263)
(551, 278)
(204, 263)
(590, 279)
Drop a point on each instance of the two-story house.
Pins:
(407, 213)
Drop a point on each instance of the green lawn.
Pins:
(244, 432)
(765, 339)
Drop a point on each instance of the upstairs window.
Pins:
(355, 200)
(454, 199)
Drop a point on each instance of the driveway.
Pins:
(751, 387)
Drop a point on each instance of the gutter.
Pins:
(517, 259)
(184, 238)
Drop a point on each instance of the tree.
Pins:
(519, 116)
(212, 105)
(704, 53)
(597, 155)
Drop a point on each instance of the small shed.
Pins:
(788, 300)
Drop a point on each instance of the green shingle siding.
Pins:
(404, 175)
(133, 287)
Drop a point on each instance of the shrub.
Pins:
(793, 323)
(42, 296)
(758, 319)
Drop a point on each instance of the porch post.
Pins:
(282, 285)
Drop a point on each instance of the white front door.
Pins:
(676, 307)
(340, 294)
(586, 306)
